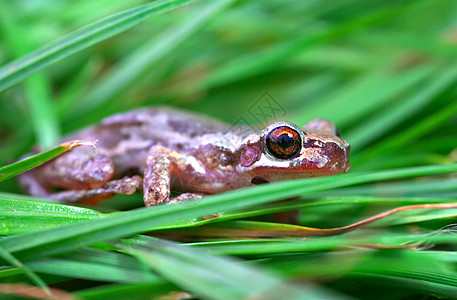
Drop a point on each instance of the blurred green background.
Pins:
(384, 71)
(378, 69)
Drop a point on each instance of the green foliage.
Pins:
(383, 71)
(30, 162)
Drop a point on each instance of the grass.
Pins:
(383, 71)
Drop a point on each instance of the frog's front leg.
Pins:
(164, 164)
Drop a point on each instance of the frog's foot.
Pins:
(183, 200)
(126, 185)
(76, 170)
(185, 197)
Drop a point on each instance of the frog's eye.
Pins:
(283, 142)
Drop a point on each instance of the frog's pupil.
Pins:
(285, 141)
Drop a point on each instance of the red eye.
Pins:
(283, 142)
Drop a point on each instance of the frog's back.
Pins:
(161, 125)
(169, 119)
(127, 137)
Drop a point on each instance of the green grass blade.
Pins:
(27, 271)
(28, 163)
(144, 58)
(371, 130)
(403, 138)
(76, 89)
(97, 265)
(20, 216)
(388, 86)
(90, 270)
(44, 118)
(140, 291)
(252, 247)
(215, 277)
(80, 39)
(258, 62)
(37, 88)
(425, 271)
(57, 240)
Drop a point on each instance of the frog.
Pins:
(160, 150)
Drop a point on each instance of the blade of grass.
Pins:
(412, 269)
(414, 217)
(436, 188)
(386, 84)
(20, 216)
(338, 57)
(417, 270)
(94, 264)
(91, 270)
(215, 277)
(404, 137)
(27, 271)
(266, 229)
(26, 214)
(320, 199)
(436, 287)
(21, 166)
(151, 52)
(258, 62)
(379, 124)
(16, 145)
(37, 87)
(426, 43)
(80, 39)
(262, 247)
(44, 119)
(69, 237)
(75, 89)
(141, 291)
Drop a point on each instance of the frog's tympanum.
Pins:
(162, 150)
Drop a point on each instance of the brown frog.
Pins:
(160, 150)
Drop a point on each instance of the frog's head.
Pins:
(283, 151)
